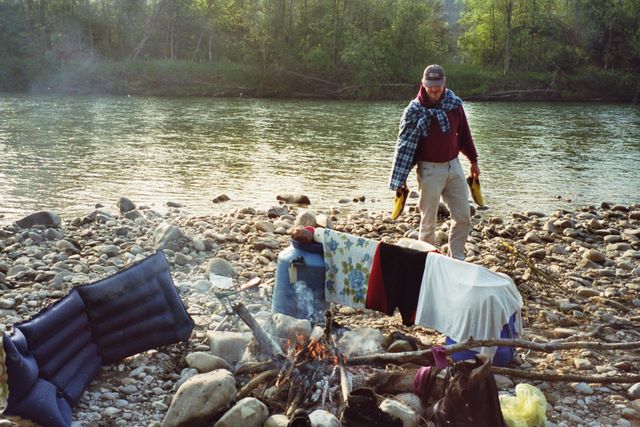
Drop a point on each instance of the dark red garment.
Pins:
(395, 280)
(376, 296)
(442, 147)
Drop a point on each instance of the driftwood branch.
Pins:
(251, 368)
(266, 344)
(255, 382)
(602, 379)
(425, 356)
(549, 347)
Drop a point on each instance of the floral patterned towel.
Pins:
(348, 261)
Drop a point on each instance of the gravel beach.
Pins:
(578, 272)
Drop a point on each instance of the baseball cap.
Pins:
(433, 75)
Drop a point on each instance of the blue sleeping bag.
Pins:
(52, 358)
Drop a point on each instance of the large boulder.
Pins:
(168, 236)
(125, 205)
(229, 346)
(206, 362)
(201, 398)
(248, 412)
(46, 218)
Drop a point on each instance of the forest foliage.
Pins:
(351, 48)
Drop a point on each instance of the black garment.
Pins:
(402, 270)
(470, 398)
(362, 411)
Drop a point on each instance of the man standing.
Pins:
(433, 130)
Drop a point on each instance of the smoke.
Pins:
(308, 308)
(71, 66)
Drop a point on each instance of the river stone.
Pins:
(167, 236)
(47, 218)
(229, 345)
(133, 215)
(306, 218)
(276, 212)
(298, 199)
(582, 388)
(587, 292)
(634, 391)
(399, 346)
(581, 363)
(595, 256)
(401, 411)
(202, 286)
(206, 362)
(200, 245)
(53, 234)
(7, 303)
(278, 420)
(181, 259)
(532, 237)
(361, 341)
(125, 205)
(221, 198)
(260, 243)
(613, 247)
(221, 267)
(324, 221)
(441, 238)
(288, 327)
(594, 224)
(322, 418)
(201, 398)
(503, 382)
(17, 269)
(265, 226)
(412, 401)
(109, 250)
(248, 412)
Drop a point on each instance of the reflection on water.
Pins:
(68, 153)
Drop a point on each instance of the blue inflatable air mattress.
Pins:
(52, 358)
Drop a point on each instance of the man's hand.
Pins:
(475, 170)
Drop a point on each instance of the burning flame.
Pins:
(312, 349)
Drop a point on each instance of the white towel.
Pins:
(463, 300)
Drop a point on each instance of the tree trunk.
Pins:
(607, 49)
(147, 31)
(507, 45)
(195, 54)
(211, 47)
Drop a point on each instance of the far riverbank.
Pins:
(189, 79)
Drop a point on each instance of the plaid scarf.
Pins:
(449, 101)
(415, 124)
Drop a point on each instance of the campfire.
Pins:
(305, 373)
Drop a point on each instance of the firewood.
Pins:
(266, 343)
(255, 382)
(251, 368)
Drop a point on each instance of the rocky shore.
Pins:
(578, 272)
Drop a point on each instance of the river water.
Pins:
(67, 153)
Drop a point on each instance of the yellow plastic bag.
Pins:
(528, 408)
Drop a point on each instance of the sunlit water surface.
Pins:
(66, 153)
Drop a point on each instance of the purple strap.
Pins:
(439, 356)
(421, 376)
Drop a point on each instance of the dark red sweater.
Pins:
(441, 147)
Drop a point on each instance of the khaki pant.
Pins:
(446, 180)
